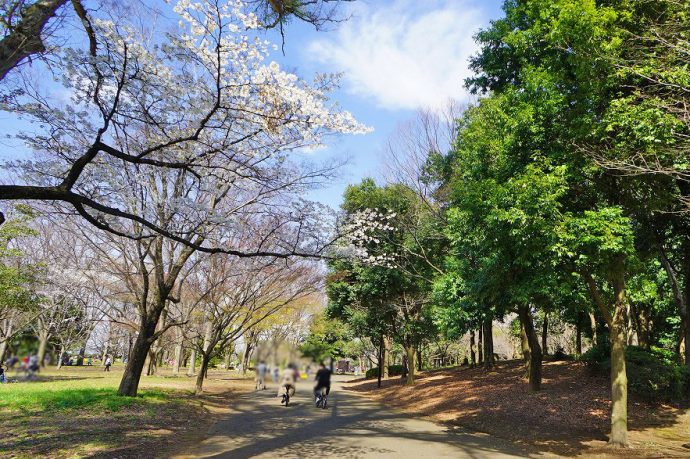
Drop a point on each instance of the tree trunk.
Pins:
(42, 344)
(80, 357)
(387, 344)
(192, 363)
(404, 364)
(62, 353)
(681, 297)
(524, 343)
(685, 313)
(593, 324)
(615, 317)
(488, 343)
(245, 358)
(480, 345)
(381, 362)
(178, 358)
(535, 354)
(578, 334)
(106, 346)
(544, 334)
(410, 351)
(641, 323)
(226, 360)
(3, 349)
(630, 326)
(25, 38)
(619, 382)
(205, 358)
(473, 355)
(129, 385)
(151, 363)
(130, 343)
(619, 377)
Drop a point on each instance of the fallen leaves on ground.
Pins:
(570, 415)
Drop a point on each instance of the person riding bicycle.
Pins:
(323, 381)
(287, 382)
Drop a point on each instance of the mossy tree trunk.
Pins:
(410, 353)
(534, 364)
(615, 317)
(387, 345)
(487, 325)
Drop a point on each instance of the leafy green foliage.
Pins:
(328, 338)
(653, 375)
(393, 370)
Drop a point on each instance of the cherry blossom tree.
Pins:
(26, 25)
(202, 102)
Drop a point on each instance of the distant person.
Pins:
(89, 361)
(11, 362)
(261, 370)
(107, 363)
(323, 380)
(276, 374)
(32, 367)
(2, 375)
(288, 382)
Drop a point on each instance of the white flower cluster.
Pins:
(364, 235)
(203, 98)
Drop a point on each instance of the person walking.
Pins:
(261, 370)
(107, 363)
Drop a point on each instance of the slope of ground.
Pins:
(569, 416)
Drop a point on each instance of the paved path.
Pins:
(351, 426)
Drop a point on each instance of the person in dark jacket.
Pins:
(323, 380)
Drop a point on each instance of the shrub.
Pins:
(393, 370)
(596, 356)
(652, 375)
(685, 379)
(560, 354)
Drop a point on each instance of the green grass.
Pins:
(43, 398)
(97, 395)
(76, 412)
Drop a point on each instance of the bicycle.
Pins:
(286, 395)
(321, 398)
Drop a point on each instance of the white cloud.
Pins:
(404, 55)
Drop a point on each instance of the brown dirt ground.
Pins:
(568, 417)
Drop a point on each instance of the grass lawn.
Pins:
(75, 412)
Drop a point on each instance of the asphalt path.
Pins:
(352, 426)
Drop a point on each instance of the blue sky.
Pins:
(396, 56)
